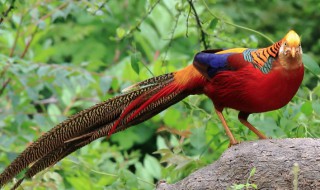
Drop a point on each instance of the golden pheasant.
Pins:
(247, 80)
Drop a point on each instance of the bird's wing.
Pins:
(210, 62)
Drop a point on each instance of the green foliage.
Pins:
(60, 57)
(247, 185)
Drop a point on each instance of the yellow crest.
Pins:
(292, 39)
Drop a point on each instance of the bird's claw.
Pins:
(231, 143)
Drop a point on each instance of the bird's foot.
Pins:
(234, 142)
(265, 138)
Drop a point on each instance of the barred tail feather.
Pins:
(116, 114)
(73, 127)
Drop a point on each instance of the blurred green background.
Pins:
(60, 57)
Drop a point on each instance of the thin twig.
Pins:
(235, 25)
(29, 42)
(100, 7)
(6, 81)
(51, 100)
(4, 85)
(16, 37)
(203, 35)
(69, 106)
(60, 7)
(5, 13)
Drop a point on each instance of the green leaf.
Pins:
(179, 6)
(316, 107)
(187, 105)
(128, 178)
(79, 182)
(254, 186)
(135, 59)
(171, 117)
(153, 166)
(311, 64)
(252, 172)
(67, 96)
(198, 138)
(54, 112)
(213, 24)
(236, 187)
(306, 108)
(43, 71)
(120, 32)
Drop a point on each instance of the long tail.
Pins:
(139, 103)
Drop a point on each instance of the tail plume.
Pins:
(139, 103)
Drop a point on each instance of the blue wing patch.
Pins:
(212, 62)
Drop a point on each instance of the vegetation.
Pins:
(59, 57)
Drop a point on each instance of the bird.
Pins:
(244, 79)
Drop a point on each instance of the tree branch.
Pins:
(279, 164)
(29, 42)
(5, 13)
(203, 35)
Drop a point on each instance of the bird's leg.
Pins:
(243, 116)
(233, 141)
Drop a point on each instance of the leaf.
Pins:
(171, 117)
(127, 142)
(79, 182)
(213, 24)
(163, 151)
(54, 112)
(306, 108)
(135, 59)
(153, 166)
(52, 176)
(316, 107)
(310, 64)
(43, 71)
(142, 173)
(187, 105)
(236, 187)
(66, 96)
(120, 32)
(198, 138)
(179, 6)
(254, 186)
(57, 14)
(128, 178)
(252, 172)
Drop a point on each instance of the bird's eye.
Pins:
(285, 43)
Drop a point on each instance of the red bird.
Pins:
(248, 80)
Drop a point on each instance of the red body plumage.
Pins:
(251, 91)
(246, 88)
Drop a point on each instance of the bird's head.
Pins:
(290, 52)
(291, 45)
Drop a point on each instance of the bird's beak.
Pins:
(293, 51)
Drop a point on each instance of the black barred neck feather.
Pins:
(262, 58)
